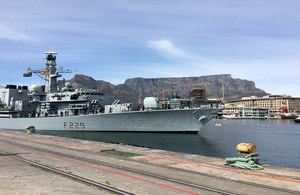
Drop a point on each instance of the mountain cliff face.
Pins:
(132, 88)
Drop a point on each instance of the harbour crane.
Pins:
(140, 100)
(163, 92)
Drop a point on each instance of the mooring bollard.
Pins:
(248, 157)
(246, 148)
(30, 129)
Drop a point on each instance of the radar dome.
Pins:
(64, 89)
(35, 88)
(69, 85)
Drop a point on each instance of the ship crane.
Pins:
(163, 92)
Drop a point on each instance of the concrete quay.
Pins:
(125, 169)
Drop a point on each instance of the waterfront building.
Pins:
(244, 112)
(271, 102)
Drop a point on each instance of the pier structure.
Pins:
(40, 164)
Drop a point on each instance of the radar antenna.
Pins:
(50, 72)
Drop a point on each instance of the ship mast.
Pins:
(50, 72)
(51, 75)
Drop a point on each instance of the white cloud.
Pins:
(167, 49)
(10, 34)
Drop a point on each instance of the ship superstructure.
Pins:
(50, 107)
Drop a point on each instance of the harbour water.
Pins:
(277, 141)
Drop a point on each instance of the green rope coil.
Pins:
(244, 161)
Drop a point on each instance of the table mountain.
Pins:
(132, 88)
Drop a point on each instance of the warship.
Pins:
(50, 107)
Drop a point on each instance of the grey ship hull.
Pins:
(177, 120)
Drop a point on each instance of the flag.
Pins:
(28, 74)
(45, 73)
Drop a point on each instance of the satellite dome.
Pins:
(35, 88)
(64, 89)
(68, 85)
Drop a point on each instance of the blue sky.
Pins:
(115, 40)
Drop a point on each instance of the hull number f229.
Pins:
(74, 125)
